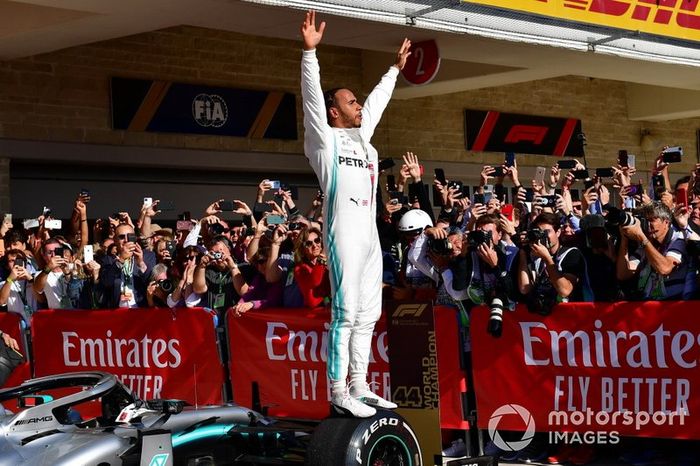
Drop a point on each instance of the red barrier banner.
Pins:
(11, 323)
(284, 351)
(591, 369)
(158, 353)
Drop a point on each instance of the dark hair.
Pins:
(329, 99)
(50, 241)
(548, 218)
(684, 179)
(487, 220)
(15, 235)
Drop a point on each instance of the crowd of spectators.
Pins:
(502, 242)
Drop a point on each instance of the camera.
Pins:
(541, 303)
(216, 255)
(495, 324)
(547, 201)
(478, 237)
(617, 217)
(441, 247)
(535, 235)
(165, 285)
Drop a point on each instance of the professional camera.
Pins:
(535, 235)
(165, 285)
(441, 247)
(540, 303)
(478, 237)
(617, 217)
(546, 201)
(495, 325)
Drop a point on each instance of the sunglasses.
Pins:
(308, 243)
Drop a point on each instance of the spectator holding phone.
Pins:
(255, 292)
(310, 271)
(183, 295)
(16, 291)
(124, 277)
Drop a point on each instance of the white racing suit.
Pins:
(346, 166)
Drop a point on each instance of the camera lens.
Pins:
(166, 285)
(495, 325)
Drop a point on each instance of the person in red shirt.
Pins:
(310, 271)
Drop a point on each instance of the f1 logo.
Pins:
(533, 134)
(414, 310)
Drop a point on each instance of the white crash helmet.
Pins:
(414, 219)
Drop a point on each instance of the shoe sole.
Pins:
(375, 403)
(346, 412)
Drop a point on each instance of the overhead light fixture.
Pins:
(646, 142)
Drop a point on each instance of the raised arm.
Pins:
(315, 121)
(378, 99)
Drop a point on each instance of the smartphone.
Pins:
(7, 218)
(131, 238)
(455, 184)
(510, 159)
(391, 183)
(185, 225)
(507, 210)
(498, 172)
(588, 184)
(147, 202)
(529, 194)
(440, 176)
(185, 216)
(275, 219)
(539, 175)
(84, 195)
(385, 164)
(226, 206)
(53, 224)
(631, 159)
(414, 191)
(604, 172)
(500, 192)
(657, 182)
(622, 158)
(682, 197)
(46, 211)
(437, 197)
(488, 188)
(487, 197)
(568, 164)
(274, 184)
(20, 262)
(465, 191)
(672, 154)
(580, 174)
(58, 252)
(30, 223)
(479, 199)
(635, 190)
(88, 254)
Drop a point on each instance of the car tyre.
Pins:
(383, 439)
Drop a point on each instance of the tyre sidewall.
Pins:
(371, 431)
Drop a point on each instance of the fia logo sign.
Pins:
(209, 110)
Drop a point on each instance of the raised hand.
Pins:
(411, 162)
(311, 35)
(401, 56)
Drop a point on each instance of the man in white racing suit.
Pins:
(336, 142)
